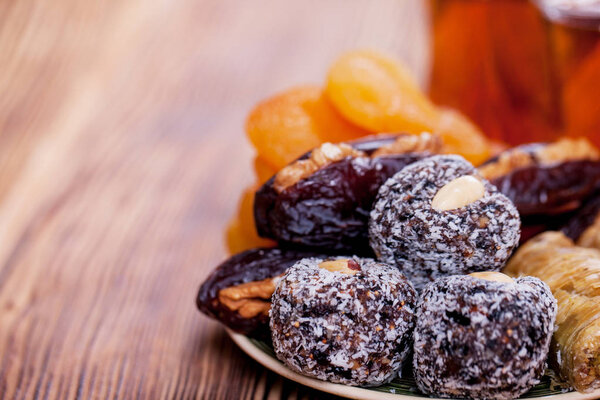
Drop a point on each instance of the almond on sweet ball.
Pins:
(492, 276)
(458, 193)
(288, 124)
(343, 265)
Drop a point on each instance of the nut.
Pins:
(249, 299)
(320, 157)
(492, 276)
(343, 265)
(568, 149)
(506, 162)
(561, 151)
(425, 142)
(458, 193)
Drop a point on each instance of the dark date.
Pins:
(330, 209)
(237, 292)
(582, 218)
(552, 189)
(542, 187)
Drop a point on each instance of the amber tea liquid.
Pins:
(523, 71)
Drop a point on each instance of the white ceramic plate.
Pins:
(399, 389)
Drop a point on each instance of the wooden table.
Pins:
(122, 156)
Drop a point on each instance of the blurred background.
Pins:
(122, 157)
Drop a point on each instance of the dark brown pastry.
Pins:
(546, 178)
(238, 292)
(323, 199)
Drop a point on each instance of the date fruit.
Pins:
(238, 292)
(327, 194)
(583, 227)
(546, 178)
(378, 93)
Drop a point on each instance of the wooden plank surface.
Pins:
(122, 155)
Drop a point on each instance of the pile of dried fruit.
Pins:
(431, 204)
(365, 93)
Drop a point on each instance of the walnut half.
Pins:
(251, 298)
(425, 142)
(323, 155)
(563, 150)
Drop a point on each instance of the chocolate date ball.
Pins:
(438, 217)
(484, 336)
(343, 320)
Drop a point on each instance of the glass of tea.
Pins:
(523, 70)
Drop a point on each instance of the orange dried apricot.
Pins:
(280, 128)
(289, 124)
(241, 232)
(237, 241)
(263, 170)
(246, 210)
(461, 136)
(378, 93)
(330, 125)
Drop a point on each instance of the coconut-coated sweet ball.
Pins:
(343, 320)
(484, 336)
(439, 217)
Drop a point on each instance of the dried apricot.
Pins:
(263, 170)
(461, 136)
(378, 94)
(237, 240)
(289, 124)
(241, 231)
(330, 125)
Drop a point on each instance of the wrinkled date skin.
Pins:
(329, 209)
(582, 218)
(533, 225)
(249, 266)
(549, 188)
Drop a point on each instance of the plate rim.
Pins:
(352, 392)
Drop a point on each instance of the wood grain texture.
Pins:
(121, 158)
